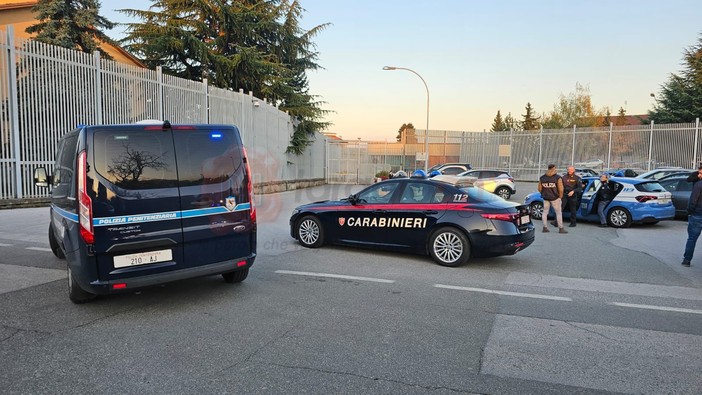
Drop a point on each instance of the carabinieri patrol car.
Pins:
(450, 221)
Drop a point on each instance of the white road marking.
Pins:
(38, 249)
(5, 245)
(517, 294)
(661, 308)
(341, 276)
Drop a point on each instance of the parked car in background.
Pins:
(450, 168)
(681, 189)
(636, 201)
(494, 181)
(585, 172)
(657, 174)
(590, 163)
(623, 172)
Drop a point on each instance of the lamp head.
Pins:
(389, 68)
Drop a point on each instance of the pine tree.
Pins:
(530, 122)
(254, 45)
(498, 125)
(621, 117)
(74, 24)
(401, 131)
(510, 122)
(680, 99)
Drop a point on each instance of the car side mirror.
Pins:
(41, 179)
(353, 199)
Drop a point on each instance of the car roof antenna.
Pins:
(166, 124)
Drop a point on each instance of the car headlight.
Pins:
(295, 212)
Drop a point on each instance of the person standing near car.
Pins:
(572, 187)
(551, 189)
(694, 219)
(605, 194)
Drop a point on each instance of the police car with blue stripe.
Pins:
(636, 201)
(143, 204)
(450, 220)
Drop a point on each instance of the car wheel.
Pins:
(236, 277)
(75, 293)
(309, 232)
(53, 243)
(619, 218)
(503, 192)
(537, 210)
(449, 247)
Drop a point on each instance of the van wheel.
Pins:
(449, 247)
(503, 192)
(309, 232)
(619, 218)
(236, 277)
(75, 292)
(53, 243)
(537, 210)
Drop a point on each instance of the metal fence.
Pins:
(525, 154)
(48, 91)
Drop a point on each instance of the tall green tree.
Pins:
(498, 125)
(403, 130)
(529, 121)
(680, 98)
(510, 122)
(74, 24)
(621, 117)
(254, 45)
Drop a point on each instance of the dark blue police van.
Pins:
(144, 204)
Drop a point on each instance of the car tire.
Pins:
(536, 209)
(236, 276)
(75, 293)
(53, 243)
(309, 232)
(619, 217)
(503, 192)
(449, 247)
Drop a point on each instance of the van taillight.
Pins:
(85, 204)
(249, 177)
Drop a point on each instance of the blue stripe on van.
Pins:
(165, 216)
(65, 214)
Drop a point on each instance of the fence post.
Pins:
(161, 104)
(650, 147)
(14, 110)
(572, 154)
(98, 88)
(609, 149)
(206, 110)
(511, 138)
(541, 146)
(694, 155)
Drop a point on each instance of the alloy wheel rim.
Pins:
(538, 211)
(618, 217)
(448, 247)
(503, 193)
(309, 232)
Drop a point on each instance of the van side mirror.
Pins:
(41, 179)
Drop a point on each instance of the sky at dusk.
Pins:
(478, 57)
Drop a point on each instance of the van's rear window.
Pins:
(207, 155)
(135, 159)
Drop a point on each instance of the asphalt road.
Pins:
(593, 311)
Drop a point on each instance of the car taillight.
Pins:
(645, 198)
(511, 179)
(85, 204)
(501, 217)
(249, 177)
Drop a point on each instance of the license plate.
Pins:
(142, 258)
(525, 219)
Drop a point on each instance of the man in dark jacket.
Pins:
(605, 194)
(551, 188)
(572, 188)
(694, 219)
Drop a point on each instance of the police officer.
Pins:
(551, 188)
(572, 187)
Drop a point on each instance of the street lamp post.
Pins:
(426, 136)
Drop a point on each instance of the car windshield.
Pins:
(653, 186)
(480, 195)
